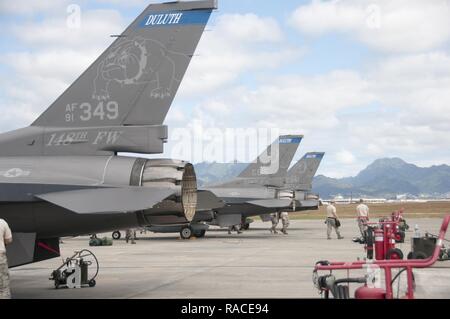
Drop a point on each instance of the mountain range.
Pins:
(386, 178)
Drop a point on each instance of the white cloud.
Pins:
(307, 102)
(28, 7)
(236, 45)
(345, 157)
(391, 26)
(335, 110)
(56, 56)
(59, 64)
(418, 85)
(398, 107)
(128, 3)
(94, 31)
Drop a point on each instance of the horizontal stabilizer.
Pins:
(206, 201)
(272, 203)
(108, 200)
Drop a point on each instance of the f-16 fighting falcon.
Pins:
(61, 176)
(299, 181)
(254, 192)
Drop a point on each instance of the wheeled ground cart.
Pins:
(423, 248)
(74, 272)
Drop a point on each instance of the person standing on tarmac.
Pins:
(275, 219)
(362, 213)
(285, 221)
(5, 239)
(130, 235)
(332, 221)
(236, 228)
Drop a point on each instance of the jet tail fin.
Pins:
(135, 80)
(300, 176)
(272, 165)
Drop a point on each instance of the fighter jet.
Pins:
(298, 183)
(254, 192)
(62, 175)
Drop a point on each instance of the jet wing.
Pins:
(108, 200)
(271, 203)
(206, 201)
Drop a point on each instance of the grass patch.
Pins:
(411, 210)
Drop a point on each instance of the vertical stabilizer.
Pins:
(272, 165)
(135, 80)
(300, 176)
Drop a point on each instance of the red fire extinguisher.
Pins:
(379, 244)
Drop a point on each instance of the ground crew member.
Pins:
(130, 235)
(362, 214)
(236, 228)
(275, 219)
(332, 219)
(285, 221)
(5, 239)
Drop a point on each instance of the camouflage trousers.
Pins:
(362, 226)
(285, 222)
(273, 229)
(5, 293)
(331, 224)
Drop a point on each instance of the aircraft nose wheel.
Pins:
(186, 233)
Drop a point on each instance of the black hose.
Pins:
(360, 280)
(397, 275)
(90, 253)
(342, 292)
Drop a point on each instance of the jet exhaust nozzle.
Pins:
(178, 175)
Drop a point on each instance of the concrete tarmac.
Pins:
(255, 264)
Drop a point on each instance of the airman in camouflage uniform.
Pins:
(5, 239)
(285, 221)
(275, 220)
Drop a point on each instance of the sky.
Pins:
(361, 80)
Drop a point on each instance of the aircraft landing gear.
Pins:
(245, 223)
(200, 233)
(116, 235)
(186, 232)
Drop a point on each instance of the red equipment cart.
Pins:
(382, 236)
(381, 240)
(339, 288)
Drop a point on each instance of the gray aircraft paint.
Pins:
(300, 176)
(271, 166)
(120, 102)
(251, 193)
(279, 155)
(253, 199)
(56, 174)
